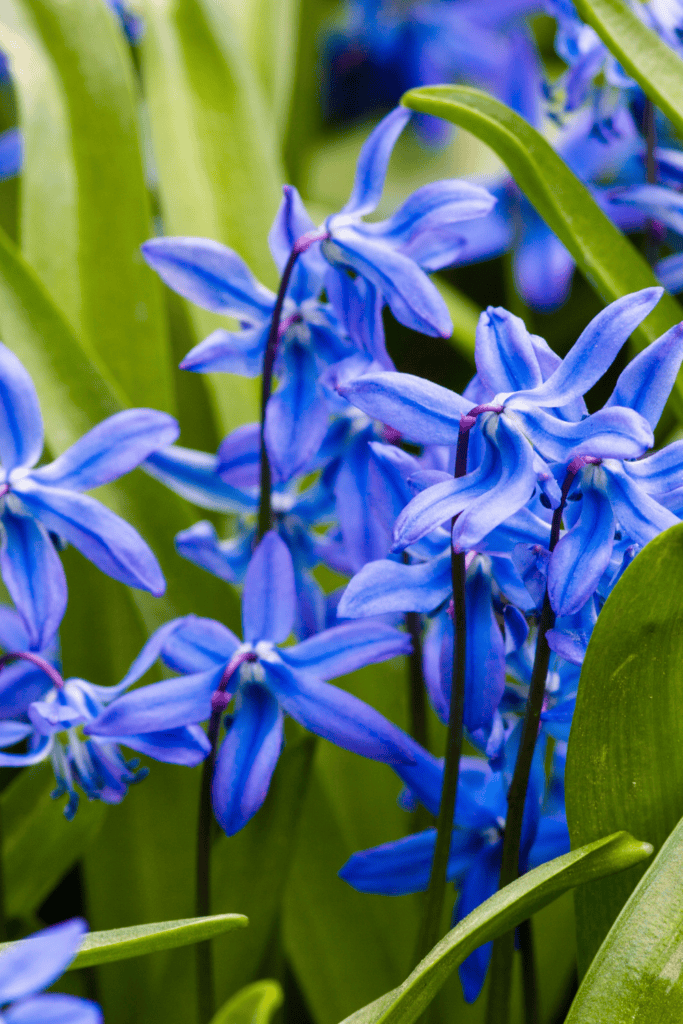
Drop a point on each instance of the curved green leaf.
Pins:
(497, 915)
(602, 253)
(637, 974)
(215, 150)
(624, 766)
(255, 1004)
(124, 943)
(84, 201)
(640, 51)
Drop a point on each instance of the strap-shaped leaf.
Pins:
(642, 54)
(84, 200)
(602, 253)
(497, 915)
(624, 767)
(254, 1004)
(637, 975)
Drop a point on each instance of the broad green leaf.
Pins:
(136, 940)
(39, 845)
(609, 261)
(465, 316)
(255, 1004)
(624, 766)
(142, 868)
(641, 53)
(215, 151)
(502, 912)
(636, 975)
(84, 203)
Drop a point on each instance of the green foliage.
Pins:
(641, 53)
(497, 915)
(636, 975)
(602, 253)
(255, 1004)
(624, 766)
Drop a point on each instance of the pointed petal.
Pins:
(35, 755)
(239, 352)
(246, 760)
(156, 707)
(149, 653)
(387, 586)
(543, 270)
(595, 350)
(53, 1008)
(647, 381)
(296, 415)
(210, 275)
(269, 593)
(227, 560)
(393, 869)
(423, 411)
(291, 222)
(582, 555)
(239, 457)
(639, 515)
(660, 472)
(33, 964)
(412, 297)
(338, 716)
(112, 448)
(194, 476)
(373, 161)
(21, 425)
(34, 577)
(614, 433)
(485, 668)
(480, 882)
(504, 352)
(108, 541)
(188, 746)
(198, 645)
(345, 648)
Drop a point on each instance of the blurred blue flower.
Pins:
(33, 964)
(265, 681)
(35, 503)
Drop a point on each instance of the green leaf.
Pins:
(84, 201)
(124, 943)
(216, 152)
(255, 1004)
(608, 260)
(39, 845)
(497, 915)
(641, 53)
(624, 766)
(637, 973)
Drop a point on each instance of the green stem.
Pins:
(433, 908)
(529, 976)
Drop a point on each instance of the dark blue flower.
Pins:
(265, 681)
(33, 964)
(35, 503)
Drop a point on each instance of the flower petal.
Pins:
(21, 425)
(639, 515)
(345, 648)
(227, 559)
(423, 411)
(239, 352)
(198, 644)
(33, 964)
(239, 456)
(480, 882)
(11, 153)
(615, 433)
(504, 352)
(338, 716)
(296, 415)
(543, 269)
(34, 577)
(583, 554)
(112, 448)
(373, 161)
(269, 592)
(108, 541)
(53, 1008)
(188, 746)
(647, 381)
(194, 476)
(388, 586)
(210, 275)
(247, 758)
(170, 704)
(393, 869)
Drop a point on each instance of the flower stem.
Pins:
(529, 976)
(503, 948)
(265, 514)
(431, 922)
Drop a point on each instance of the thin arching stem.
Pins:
(265, 515)
(431, 921)
(503, 948)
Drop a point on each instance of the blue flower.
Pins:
(11, 153)
(265, 681)
(33, 964)
(532, 420)
(52, 714)
(35, 503)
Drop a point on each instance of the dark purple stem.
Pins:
(35, 659)
(498, 1009)
(265, 515)
(219, 702)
